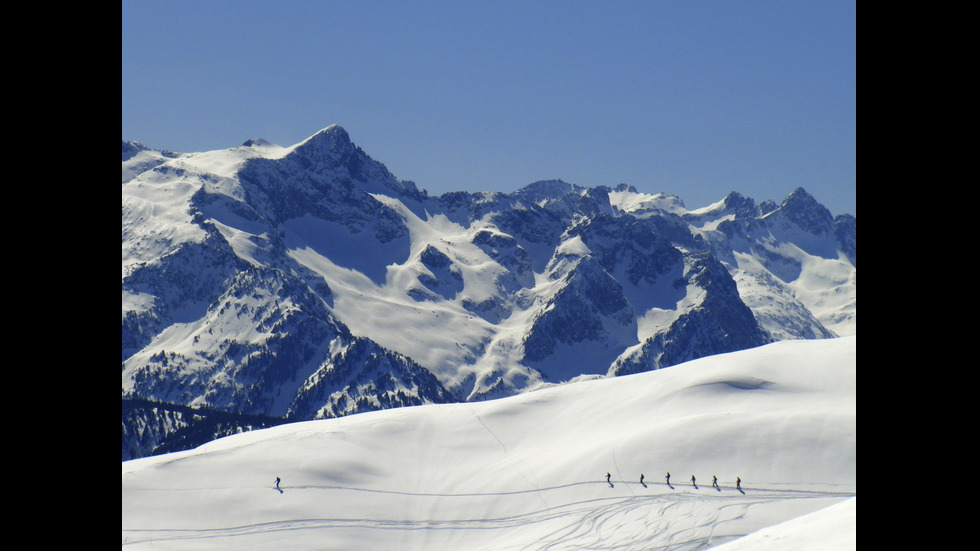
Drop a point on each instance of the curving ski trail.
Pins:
(578, 515)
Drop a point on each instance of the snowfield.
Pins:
(528, 472)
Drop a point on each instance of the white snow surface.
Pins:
(528, 472)
(641, 204)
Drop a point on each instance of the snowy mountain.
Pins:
(307, 282)
(775, 424)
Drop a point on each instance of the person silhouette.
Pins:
(668, 479)
(693, 481)
(738, 483)
(714, 481)
(607, 477)
(641, 479)
(277, 482)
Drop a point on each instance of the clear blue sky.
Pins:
(694, 98)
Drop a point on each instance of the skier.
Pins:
(694, 482)
(641, 479)
(714, 481)
(607, 477)
(738, 483)
(277, 482)
(668, 479)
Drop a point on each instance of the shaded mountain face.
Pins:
(308, 282)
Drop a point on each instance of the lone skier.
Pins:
(277, 482)
(694, 482)
(738, 483)
(607, 477)
(641, 479)
(714, 481)
(668, 479)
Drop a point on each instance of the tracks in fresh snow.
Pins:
(582, 515)
(674, 489)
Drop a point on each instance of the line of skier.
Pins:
(714, 481)
(694, 482)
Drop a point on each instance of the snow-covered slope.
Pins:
(828, 529)
(529, 471)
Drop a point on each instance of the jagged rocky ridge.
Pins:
(308, 282)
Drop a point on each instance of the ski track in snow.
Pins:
(679, 518)
(534, 484)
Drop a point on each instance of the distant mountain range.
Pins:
(266, 284)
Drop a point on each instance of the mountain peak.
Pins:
(332, 142)
(333, 137)
(799, 194)
(334, 130)
(743, 207)
(130, 149)
(799, 199)
(331, 149)
(257, 142)
(803, 209)
(548, 189)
